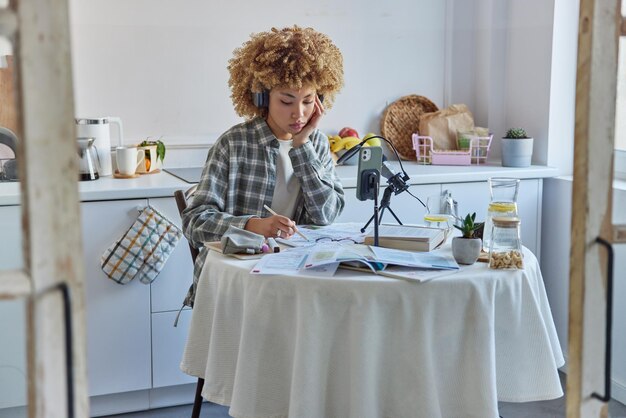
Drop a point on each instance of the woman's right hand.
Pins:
(274, 226)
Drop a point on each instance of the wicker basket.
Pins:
(401, 120)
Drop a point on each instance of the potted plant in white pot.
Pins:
(155, 154)
(466, 248)
(517, 148)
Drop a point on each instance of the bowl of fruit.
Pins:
(348, 138)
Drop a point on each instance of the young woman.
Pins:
(281, 81)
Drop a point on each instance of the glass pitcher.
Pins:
(89, 164)
(503, 192)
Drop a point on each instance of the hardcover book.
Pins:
(408, 237)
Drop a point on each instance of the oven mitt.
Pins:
(143, 250)
(238, 241)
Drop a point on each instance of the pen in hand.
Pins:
(270, 210)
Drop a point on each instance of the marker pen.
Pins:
(273, 245)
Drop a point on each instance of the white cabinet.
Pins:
(474, 197)
(11, 238)
(13, 372)
(119, 355)
(471, 197)
(168, 290)
(405, 206)
(168, 343)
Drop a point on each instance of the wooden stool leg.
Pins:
(197, 402)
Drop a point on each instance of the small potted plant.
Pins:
(155, 154)
(517, 148)
(466, 248)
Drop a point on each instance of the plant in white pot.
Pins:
(155, 154)
(466, 248)
(517, 148)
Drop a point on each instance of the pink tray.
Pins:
(477, 153)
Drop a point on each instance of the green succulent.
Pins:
(469, 226)
(516, 133)
(160, 150)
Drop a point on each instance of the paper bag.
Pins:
(443, 125)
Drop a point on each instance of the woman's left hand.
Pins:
(303, 136)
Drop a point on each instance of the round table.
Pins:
(361, 345)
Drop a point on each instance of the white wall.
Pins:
(555, 259)
(563, 86)
(529, 58)
(161, 65)
(501, 66)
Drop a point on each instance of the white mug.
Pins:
(128, 159)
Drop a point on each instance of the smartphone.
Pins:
(368, 177)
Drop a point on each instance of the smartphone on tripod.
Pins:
(368, 177)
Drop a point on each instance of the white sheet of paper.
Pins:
(332, 233)
(286, 262)
(327, 270)
(416, 274)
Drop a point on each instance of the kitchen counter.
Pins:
(109, 188)
(429, 174)
(164, 184)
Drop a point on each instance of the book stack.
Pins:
(408, 237)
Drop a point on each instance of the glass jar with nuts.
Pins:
(505, 249)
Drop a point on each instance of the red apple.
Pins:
(347, 131)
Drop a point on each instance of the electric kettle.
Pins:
(100, 130)
(88, 163)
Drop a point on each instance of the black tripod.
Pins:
(385, 203)
(396, 185)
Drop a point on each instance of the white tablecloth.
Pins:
(360, 345)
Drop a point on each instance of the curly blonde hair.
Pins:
(290, 57)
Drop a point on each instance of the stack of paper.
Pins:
(323, 259)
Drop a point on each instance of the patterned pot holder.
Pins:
(143, 250)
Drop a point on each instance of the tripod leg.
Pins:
(368, 223)
(394, 215)
(382, 212)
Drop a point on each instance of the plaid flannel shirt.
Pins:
(239, 178)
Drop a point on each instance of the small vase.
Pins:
(466, 250)
(517, 152)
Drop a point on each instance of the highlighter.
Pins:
(273, 245)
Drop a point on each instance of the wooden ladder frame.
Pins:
(592, 232)
(39, 32)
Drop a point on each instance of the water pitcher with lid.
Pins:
(99, 130)
(503, 192)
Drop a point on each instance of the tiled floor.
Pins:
(545, 409)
